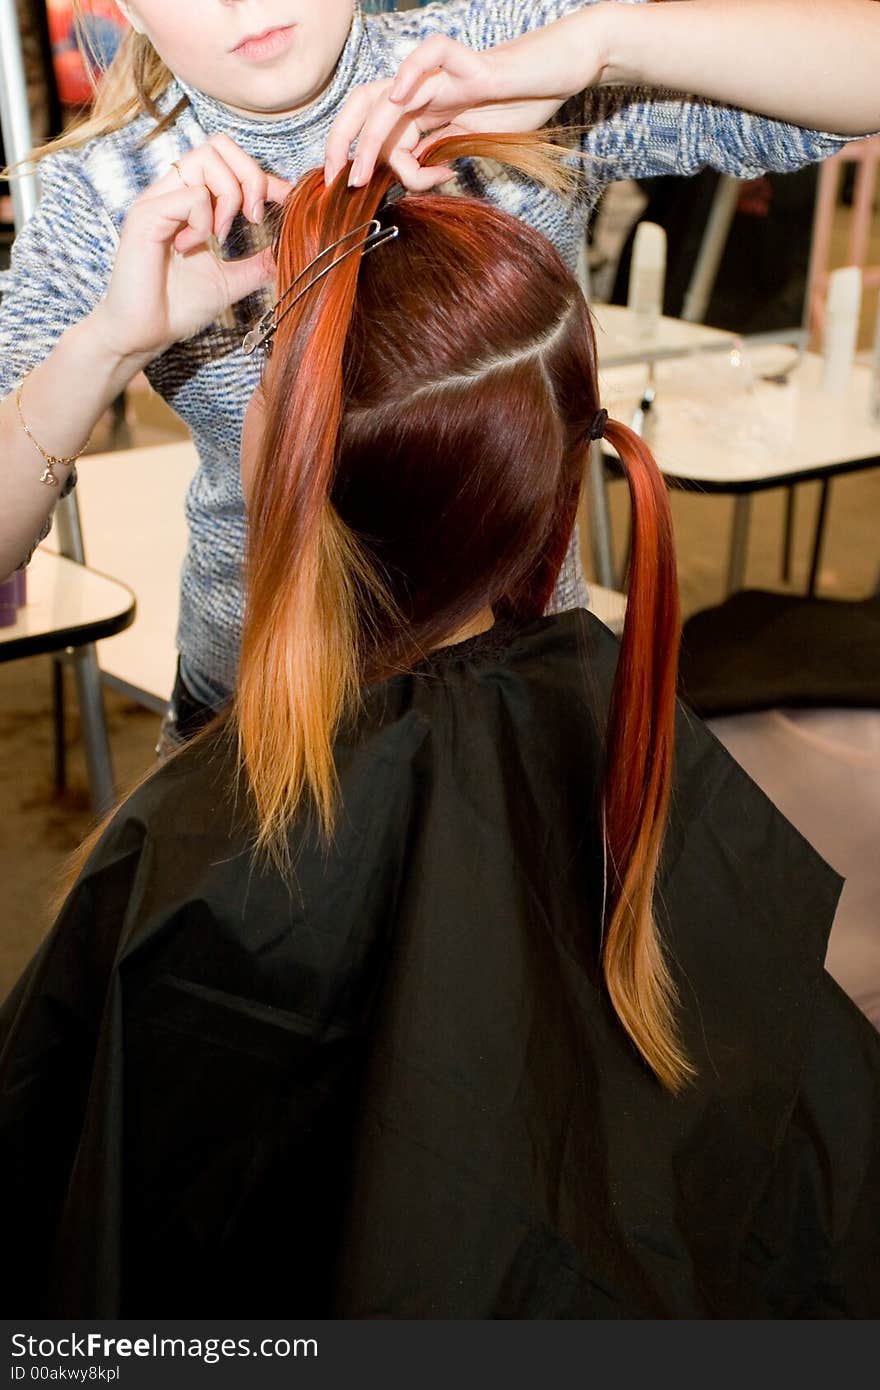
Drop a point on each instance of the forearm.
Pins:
(62, 401)
(810, 62)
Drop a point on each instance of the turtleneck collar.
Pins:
(214, 117)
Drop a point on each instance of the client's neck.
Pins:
(480, 622)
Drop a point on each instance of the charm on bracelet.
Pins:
(52, 461)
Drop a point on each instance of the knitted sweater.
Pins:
(63, 258)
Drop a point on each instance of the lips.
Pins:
(266, 45)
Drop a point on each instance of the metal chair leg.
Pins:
(120, 434)
(94, 725)
(600, 519)
(60, 750)
(788, 534)
(739, 539)
(705, 273)
(819, 537)
(88, 675)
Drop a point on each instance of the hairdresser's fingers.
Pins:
(426, 100)
(278, 190)
(412, 175)
(156, 296)
(206, 167)
(467, 74)
(248, 275)
(408, 166)
(235, 180)
(258, 186)
(501, 116)
(384, 130)
(182, 218)
(348, 123)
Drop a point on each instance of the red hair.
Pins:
(428, 409)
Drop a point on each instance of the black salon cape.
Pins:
(396, 1088)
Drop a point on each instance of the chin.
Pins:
(273, 95)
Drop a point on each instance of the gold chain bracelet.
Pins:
(51, 460)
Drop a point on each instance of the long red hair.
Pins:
(428, 410)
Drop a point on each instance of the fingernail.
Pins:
(225, 229)
(328, 175)
(396, 92)
(259, 210)
(355, 178)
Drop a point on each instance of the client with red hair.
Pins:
(451, 973)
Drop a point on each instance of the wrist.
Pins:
(558, 60)
(614, 40)
(99, 339)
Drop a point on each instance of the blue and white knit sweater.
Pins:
(63, 259)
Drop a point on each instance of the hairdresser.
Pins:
(210, 108)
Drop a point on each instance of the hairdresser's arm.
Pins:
(62, 400)
(165, 286)
(808, 62)
(156, 297)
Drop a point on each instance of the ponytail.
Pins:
(638, 774)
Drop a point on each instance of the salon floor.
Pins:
(41, 827)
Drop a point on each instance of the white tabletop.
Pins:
(134, 527)
(620, 340)
(723, 428)
(67, 605)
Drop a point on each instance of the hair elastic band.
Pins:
(597, 428)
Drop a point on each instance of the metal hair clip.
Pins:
(265, 328)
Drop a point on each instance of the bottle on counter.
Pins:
(647, 278)
(842, 310)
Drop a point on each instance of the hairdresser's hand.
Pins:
(380, 128)
(443, 87)
(167, 282)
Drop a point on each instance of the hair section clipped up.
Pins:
(428, 417)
